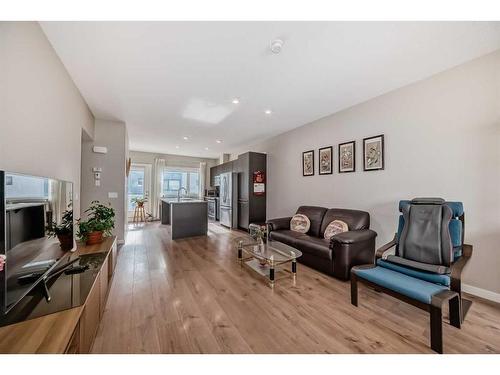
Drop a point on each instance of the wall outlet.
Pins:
(112, 195)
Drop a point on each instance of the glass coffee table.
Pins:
(268, 258)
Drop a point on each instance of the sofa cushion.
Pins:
(335, 227)
(300, 223)
(314, 245)
(354, 219)
(422, 275)
(409, 286)
(286, 236)
(315, 215)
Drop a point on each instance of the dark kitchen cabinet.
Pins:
(243, 214)
(251, 207)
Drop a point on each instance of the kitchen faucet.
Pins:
(179, 193)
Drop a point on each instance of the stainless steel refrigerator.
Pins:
(228, 199)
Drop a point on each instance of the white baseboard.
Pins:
(483, 293)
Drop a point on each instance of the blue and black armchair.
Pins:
(423, 264)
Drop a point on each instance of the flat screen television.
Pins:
(28, 204)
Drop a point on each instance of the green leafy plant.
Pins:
(64, 228)
(100, 218)
(139, 201)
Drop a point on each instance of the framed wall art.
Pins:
(347, 157)
(373, 153)
(325, 160)
(308, 163)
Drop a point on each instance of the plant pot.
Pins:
(140, 204)
(94, 238)
(66, 241)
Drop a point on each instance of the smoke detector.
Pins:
(276, 46)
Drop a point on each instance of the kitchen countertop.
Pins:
(175, 201)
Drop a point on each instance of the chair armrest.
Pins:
(354, 236)
(382, 250)
(458, 266)
(280, 223)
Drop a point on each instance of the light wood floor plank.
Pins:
(192, 296)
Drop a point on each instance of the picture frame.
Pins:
(308, 163)
(347, 157)
(373, 153)
(325, 160)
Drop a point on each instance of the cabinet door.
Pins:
(243, 176)
(112, 260)
(243, 214)
(89, 320)
(104, 280)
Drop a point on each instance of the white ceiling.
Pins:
(168, 80)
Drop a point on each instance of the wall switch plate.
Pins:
(97, 169)
(100, 150)
(112, 194)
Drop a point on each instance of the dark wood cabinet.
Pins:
(243, 214)
(251, 207)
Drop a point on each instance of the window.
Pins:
(135, 186)
(175, 178)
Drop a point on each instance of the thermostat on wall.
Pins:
(100, 150)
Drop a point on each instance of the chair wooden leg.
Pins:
(354, 289)
(436, 329)
(455, 311)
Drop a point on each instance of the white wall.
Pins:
(442, 138)
(41, 111)
(113, 135)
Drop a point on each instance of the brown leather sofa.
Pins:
(337, 256)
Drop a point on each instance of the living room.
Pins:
(249, 187)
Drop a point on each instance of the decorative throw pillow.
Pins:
(300, 223)
(335, 227)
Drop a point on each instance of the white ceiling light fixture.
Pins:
(235, 101)
(206, 148)
(185, 138)
(177, 147)
(268, 111)
(218, 141)
(276, 46)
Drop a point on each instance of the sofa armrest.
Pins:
(350, 249)
(354, 236)
(278, 224)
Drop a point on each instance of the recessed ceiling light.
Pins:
(185, 138)
(236, 101)
(177, 147)
(218, 141)
(268, 111)
(206, 148)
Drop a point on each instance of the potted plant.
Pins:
(64, 230)
(100, 222)
(139, 201)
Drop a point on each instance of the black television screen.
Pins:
(30, 207)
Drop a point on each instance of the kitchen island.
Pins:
(186, 217)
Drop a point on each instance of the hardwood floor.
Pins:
(191, 296)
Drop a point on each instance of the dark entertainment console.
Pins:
(68, 322)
